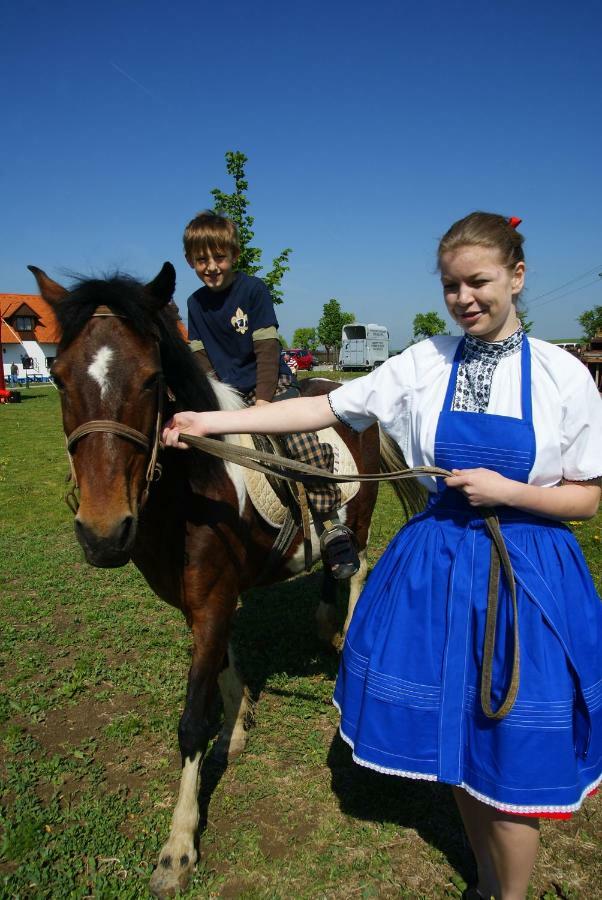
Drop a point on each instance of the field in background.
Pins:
(92, 685)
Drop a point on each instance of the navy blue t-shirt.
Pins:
(225, 322)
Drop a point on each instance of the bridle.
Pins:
(111, 426)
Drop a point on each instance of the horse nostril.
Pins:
(124, 534)
(118, 538)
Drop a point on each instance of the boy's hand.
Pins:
(187, 422)
(482, 487)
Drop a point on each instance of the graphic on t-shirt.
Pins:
(240, 321)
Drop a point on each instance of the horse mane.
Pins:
(127, 297)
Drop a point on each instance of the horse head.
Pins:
(108, 370)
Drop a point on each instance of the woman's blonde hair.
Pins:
(484, 229)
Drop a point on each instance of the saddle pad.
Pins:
(265, 499)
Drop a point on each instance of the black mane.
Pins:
(127, 297)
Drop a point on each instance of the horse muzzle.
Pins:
(111, 548)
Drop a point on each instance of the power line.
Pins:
(567, 283)
(561, 296)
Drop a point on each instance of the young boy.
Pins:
(232, 327)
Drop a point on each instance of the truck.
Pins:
(363, 346)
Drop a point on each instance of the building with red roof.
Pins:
(29, 335)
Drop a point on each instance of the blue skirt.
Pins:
(409, 685)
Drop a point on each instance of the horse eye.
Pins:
(150, 382)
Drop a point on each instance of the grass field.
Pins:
(93, 676)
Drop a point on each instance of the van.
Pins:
(363, 346)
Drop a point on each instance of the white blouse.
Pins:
(406, 395)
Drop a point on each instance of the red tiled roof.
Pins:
(46, 330)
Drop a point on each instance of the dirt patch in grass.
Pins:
(71, 725)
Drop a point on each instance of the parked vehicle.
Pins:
(303, 358)
(363, 346)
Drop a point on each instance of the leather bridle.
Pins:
(112, 426)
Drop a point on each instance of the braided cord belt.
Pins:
(293, 470)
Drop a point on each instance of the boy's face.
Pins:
(214, 268)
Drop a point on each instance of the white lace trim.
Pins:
(489, 801)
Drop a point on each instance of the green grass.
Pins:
(92, 679)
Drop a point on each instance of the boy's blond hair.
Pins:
(209, 231)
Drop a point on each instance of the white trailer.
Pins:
(363, 346)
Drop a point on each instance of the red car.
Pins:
(303, 358)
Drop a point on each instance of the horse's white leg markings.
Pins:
(178, 856)
(238, 710)
(99, 369)
(356, 586)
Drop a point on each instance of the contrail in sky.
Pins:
(133, 80)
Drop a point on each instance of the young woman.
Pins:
(519, 423)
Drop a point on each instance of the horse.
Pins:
(122, 367)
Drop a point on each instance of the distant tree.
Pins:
(428, 324)
(526, 323)
(305, 337)
(283, 341)
(331, 324)
(235, 206)
(591, 322)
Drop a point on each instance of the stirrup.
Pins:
(338, 548)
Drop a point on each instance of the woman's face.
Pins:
(480, 292)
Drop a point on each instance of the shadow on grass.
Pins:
(424, 806)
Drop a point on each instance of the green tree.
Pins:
(305, 337)
(591, 322)
(526, 323)
(331, 324)
(235, 206)
(428, 324)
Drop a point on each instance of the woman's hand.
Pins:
(183, 422)
(482, 487)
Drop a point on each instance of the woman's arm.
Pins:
(482, 487)
(298, 414)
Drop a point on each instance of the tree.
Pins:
(331, 324)
(428, 324)
(526, 323)
(235, 206)
(305, 337)
(591, 322)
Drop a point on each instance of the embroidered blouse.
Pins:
(477, 367)
(406, 394)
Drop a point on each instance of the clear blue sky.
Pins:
(369, 128)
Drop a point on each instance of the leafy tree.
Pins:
(283, 341)
(331, 324)
(591, 322)
(235, 206)
(526, 323)
(305, 337)
(428, 324)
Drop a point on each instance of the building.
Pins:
(29, 335)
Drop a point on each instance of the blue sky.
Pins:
(369, 128)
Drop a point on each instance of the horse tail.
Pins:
(410, 493)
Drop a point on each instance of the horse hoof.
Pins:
(171, 876)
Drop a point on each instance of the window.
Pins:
(24, 323)
(49, 361)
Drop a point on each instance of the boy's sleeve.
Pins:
(266, 346)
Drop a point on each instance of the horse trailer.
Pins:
(363, 346)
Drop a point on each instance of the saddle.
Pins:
(271, 499)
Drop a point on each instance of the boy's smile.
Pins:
(215, 269)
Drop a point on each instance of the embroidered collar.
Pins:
(474, 346)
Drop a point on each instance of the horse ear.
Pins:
(50, 290)
(162, 287)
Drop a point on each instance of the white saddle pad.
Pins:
(266, 501)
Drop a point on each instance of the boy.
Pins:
(232, 327)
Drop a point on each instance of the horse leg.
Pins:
(326, 617)
(356, 586)
(238, 710)
(178, 857)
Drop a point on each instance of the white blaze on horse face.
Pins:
(99, 369)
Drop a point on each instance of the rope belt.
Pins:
(293, 470)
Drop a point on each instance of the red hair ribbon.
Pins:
(514, 221)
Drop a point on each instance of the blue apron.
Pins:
(409, 684)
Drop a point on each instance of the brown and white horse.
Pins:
(122, 365)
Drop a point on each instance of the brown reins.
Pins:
(278, 466)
